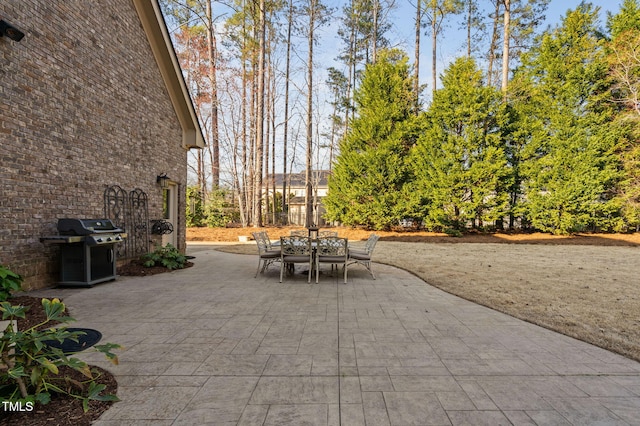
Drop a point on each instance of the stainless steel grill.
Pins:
(87, 254)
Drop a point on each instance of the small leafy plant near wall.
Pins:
(29, 367)
(167, 256)
(9, 282)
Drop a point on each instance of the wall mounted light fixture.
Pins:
(163, 180)
(6, 29)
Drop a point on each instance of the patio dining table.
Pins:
(314, 243)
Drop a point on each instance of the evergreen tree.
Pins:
(367, 183)
(624, 67)
(459, 163)
(570, 166)
(627, 19)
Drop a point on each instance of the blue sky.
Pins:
(558, 8)
(451, 43)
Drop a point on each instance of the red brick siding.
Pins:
(82, 106)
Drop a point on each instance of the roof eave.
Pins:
(156, 30)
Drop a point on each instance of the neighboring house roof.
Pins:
(154, 26)
(319, 177)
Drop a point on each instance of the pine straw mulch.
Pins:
(232, 234)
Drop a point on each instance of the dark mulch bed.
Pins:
(63, 410)
(35, 314)
(135, 268)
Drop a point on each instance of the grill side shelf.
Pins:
(62, 239)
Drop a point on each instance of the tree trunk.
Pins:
(272, 101)
(267, 136)
(215, 143)
(505, 47)
(202, 186)
(246, 147)
(374, 32)
(469, 13)
(237, 188)
(416, 68)
(257, 196)
(492, 46)
(286, 116)
(434, 46)
(308, 177)
(352, 73)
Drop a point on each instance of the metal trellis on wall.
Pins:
(130, 212)
(139, 219)
(115, 208)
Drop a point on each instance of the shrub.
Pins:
(167, 256)
(29, 362)
(216, 210)
(195, 209)
(453, 232)
(9, 282)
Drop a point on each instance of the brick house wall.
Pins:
(83, 106)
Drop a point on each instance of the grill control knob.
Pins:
(99, 240)
(108, 238)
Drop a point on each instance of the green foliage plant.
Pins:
(29, 367)
(366, 187)
(459, 162)
(9, 282)
(167, 256)
(213, 210)
(453, 232)
(217, 210)
(628, 18)
(195, 209)
(570, 166)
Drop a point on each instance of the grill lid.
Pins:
(69, 226)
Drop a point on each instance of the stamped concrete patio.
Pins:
(212, 345)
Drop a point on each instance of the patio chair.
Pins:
(295, 249)
(323, 234)
(266, 253)
(332, 250)
(363, 257)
